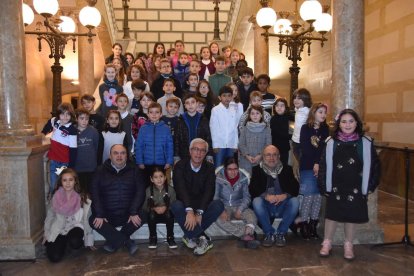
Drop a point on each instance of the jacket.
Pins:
(223, 126)
(217, 81)
(158, 196)
(237, 195)
(245, 94)
(154, 145)
(117, 195)
(157, 84)
(54, 224)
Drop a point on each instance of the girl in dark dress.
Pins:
(349, 171)
(279, 125)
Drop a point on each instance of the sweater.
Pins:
(154, 145)
(180, 71)
(279, 124)
(223, 127)
(217, 81)
(97, 121)
(268, 100)
(63, 142)
(107, 93)
(107, 139)
(138, 121)
(312, 142)
(87, 156)
(126, 124)
(300, 119)
(245, 116)
(163, 102)
(203, 68)
(157, 85)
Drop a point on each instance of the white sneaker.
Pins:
(190, 243)
(203, 246)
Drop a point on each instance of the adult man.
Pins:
(195, 210)
(117, 193)
(274, 189)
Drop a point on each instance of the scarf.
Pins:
(347, 137)
(255, 127)
(272, 172)
(64, 206)
(232, 181)
(111, 83)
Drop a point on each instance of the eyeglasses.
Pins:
(268, 155)
(198, 150)
(165, 66)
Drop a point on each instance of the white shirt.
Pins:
(223, 126)
(300, 119)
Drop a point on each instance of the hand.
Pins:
(237, 215)
(98, 222)
(141, 167)
(257, 158)
(315, 169)
(224, 216)
(199, 219)
(270, 198)
(250, 158)
(279, 198)
(160, 210)
(93, 248)
(190, 221)
(167, 166)
(136, 220)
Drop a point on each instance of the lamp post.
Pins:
(125, 25)
(216, 20)
(292, 34)
(58, 32)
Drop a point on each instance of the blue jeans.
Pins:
(214, 210)
(221, 155)
(53, 165)
(308, 183)
(265, 212)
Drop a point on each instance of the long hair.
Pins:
(210, 96)
(359, 127)
(142, 73)
(236, 99)
(166, 197)
(121, 73)
(311, 117)
(282, 100)
(304, 95)
(154, 51)
(77, 187)
(106, 128)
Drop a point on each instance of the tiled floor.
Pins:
(229, 258)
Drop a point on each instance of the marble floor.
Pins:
(230, 258)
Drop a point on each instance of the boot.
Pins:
(326, 248)
(348, 251)
(313, 229)
(304, 230)
(294, 228)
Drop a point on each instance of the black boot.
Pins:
(313, 229)
(294, 228)
(304, 230)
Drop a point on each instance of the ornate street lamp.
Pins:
(58, 32)
(216, 20)
(293, 35)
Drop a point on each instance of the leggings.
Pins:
(55, 250)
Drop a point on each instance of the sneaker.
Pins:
(348, 251)
(132, 247)
(171, 243)
(280, 240)
(203, 246)
(109, 248)
(190, 243)
(247, 237)
(152, 243)
(326, 248)
(269, 240)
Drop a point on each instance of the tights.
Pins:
(310, 207)
(330, 228)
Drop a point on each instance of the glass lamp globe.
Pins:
(266, 17)
(67, 25)
(282, 26)
(46, 8)
(310, 10)
(28, 14)
(324, 23)
(90, 17)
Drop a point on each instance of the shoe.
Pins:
(171, 243)
(109, 248)
(326, 248)
(294, 228)
(280, 240)
(348, 251)
(253, 244)
(132, 247)
(313, 229)
(269, 240)
(190, 243)
(304, 230)
(203, 246)
(152, 243)
(247, 237)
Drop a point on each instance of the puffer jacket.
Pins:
(237, 195)
(154, 145)
(117, 195)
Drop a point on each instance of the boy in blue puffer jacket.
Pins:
(154, 146)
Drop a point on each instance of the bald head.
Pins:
(118, 155)
(271, 156)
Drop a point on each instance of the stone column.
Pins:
(85, 64)
(348, 89)
(21, 153)
(261, 49)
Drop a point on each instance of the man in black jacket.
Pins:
(117, 194)
(274, 189)
(195, 210)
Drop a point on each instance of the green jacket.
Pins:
(217, 81)
(158, 197)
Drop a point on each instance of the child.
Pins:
(223, 127)
(194, 69)
(153, 68)
(63, 142)
(192, 83)
(349, 171)
(135, 72)
(263, 83)
(190, 125)
(207, 65)
(236, 99)
(159, 196)
(173, 104)
(279, 124)
(302, 101)
(255, 100)
(179, 48)
(108, 90)
(130, 58)
(312, 140)
(246, 86)
(231, 69)
(120, 71)
(126, 119)
(219, 79)
(169, 88)
(253, 138)
(95, 120)
(166, 73)
(67, 222)
(154, 146)
(88, 143)
(138, 86)
(226, 53)
(182, 68)
(117, 53)
(204, 92)
(214, 50)
(141, 116)
(112, 134)
(201, 106)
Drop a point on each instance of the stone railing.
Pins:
(107, 11)
(232, 20)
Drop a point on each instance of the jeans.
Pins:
(55, 250)
(266, 212)
(308, 183)
(53, 165)
(221, 155)
(213, 211)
